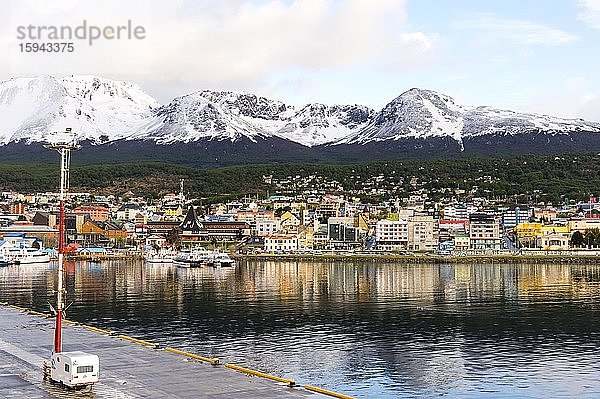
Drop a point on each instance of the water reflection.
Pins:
(367, 329)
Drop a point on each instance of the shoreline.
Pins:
(381, 258)
(583, 259)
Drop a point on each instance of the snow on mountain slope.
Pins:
(311, 125)
(102, 110)
(416, 113)
(194, 117)
(482, 121)
(96, 109)
(422, 114)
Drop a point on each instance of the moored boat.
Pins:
(220, 259)
(26, 255)
(161, 257)
(198, 257)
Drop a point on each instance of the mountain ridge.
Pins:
(235, 127)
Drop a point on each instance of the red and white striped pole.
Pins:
(59, 290)
(64, 149)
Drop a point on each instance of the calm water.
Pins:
(369, 330)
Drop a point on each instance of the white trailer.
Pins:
(74, 369)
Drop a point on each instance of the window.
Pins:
(85, 369)
(67, 368)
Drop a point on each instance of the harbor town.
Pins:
(104, 226)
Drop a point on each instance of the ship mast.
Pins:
(64, 149)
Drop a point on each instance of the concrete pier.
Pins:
(128, 369)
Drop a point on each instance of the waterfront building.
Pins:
(281, 243)
(553, 242)
(448, 229)
(537, 235)
(93, 232)
(391, 235)
(513, 216)
(342, 234)
(306, 240)
(49, 236)
(423, 233)
(163, 227)
(320, 240)
(462, 242)
(484, 232)
(583, 224)
(194, 230)
(18, 240)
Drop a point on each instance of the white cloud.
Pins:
(576, 98)
(590, 12)
(494, 29)
(235, 44)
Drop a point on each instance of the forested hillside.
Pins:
(555, 179)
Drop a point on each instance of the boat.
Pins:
(220, 259)
(4, 262)
(26, 255)
(198, 257)
(161, 257)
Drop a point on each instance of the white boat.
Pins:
(220, 259)
(26, 255)
(198, 257)
(162, 257)
(3, 262)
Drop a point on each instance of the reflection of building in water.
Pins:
(26, 284)
(544, 280)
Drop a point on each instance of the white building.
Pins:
(281, 243)
(266, 227)
(391, 235)
(484, 232)
(423, 233)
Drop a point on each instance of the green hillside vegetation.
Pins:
(554, 179)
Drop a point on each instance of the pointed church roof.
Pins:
(191, 223)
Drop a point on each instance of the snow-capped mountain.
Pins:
(118, 120)
(310, 125)
(195, 117)
(423, 114)
(97, 109)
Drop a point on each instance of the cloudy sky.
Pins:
(529, 55)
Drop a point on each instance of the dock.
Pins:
(129, 367)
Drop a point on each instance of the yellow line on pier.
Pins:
(37, 313)
(98, 330)
(212, 360)
(137, 341)
(71, 322)
(326, 392)
(260, 374)
(18, 308)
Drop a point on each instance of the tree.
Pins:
(592, 237)
(577, 239)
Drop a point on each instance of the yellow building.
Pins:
(289, 222)
(537, 235)
(306, 240)
(172, 212)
